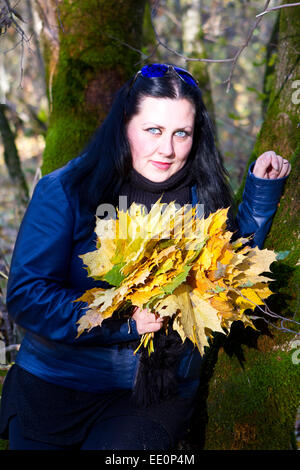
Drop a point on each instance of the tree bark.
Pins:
(12, 159)
(254, 407)
(193, 46)
(86, 64)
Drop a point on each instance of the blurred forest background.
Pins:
(38, 37)
(212, 29)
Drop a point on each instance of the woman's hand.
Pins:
(271, 166)
(146, 322)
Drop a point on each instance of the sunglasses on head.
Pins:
(160, 70)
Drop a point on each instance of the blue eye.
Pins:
(181, 133)
(153, 130)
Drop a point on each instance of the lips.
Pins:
(161, 165)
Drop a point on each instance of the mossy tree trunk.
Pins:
(193, 46)
(254, 406)
(86, 64)
(12, 159)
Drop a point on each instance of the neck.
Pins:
(141, 190)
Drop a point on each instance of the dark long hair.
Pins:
(106, 160)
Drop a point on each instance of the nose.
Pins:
(166, 146)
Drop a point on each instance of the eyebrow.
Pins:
(162, 127)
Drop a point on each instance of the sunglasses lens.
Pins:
(154, 70)
(159, 70)
(186, 76)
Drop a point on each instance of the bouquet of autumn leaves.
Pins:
(177, 265)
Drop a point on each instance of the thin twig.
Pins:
(4, 259)
(277, 8)
(259, 16)
(281, 328)
(190, 59)
(21, 64)
(150, 55)
(126, 44)
(240, 50)
(267, 311)
(232, 60)
(59, 18)
(144, 57)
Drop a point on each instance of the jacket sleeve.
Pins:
(260, 201)
(38, 298)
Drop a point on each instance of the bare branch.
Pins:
(3, 275)
(240, 50)
(232, 60)
(144, 57)
(152, 53)
(191, 59)
(269, 313)
(259, 16)
(278, 7)
(59, 18)
(49, 28)
(9, 17)
(127, 45)
(6, 263)
(7, 14)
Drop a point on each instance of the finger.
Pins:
(146, 317)
(272, 164)
(274, 167)
(143, 313)
(275, 163)
(261, 164)
(151, 318)
(289, 168)
(150, 327)
(154, 326)
(280, 161)
(285, 170)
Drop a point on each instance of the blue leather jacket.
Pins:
(47, 275)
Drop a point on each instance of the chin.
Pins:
(158, 177)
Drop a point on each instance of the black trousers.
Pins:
(119, 433)
(35, 414)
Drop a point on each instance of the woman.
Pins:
(92, 392)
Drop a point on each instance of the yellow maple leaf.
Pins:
(191, 325)
(140, 297)
(206, 315)
(90, 295)
(184, 268)
(218, 221)
(88, 321)
(168, 306)
(98, 262)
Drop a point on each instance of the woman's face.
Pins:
(161, 136)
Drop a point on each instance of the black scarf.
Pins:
(139, 189)
(156, 379)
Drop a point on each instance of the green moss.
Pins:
(255, 408)
(93, 63)
(64, 139)
(148, 37)
(2, 374)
